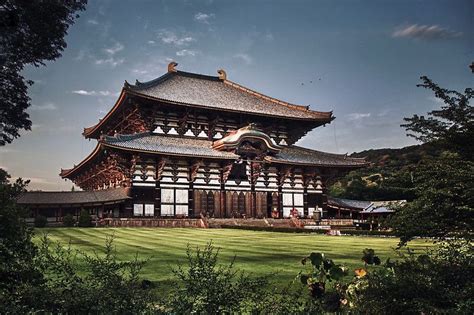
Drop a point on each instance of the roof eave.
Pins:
(319, 120)
(92, 132)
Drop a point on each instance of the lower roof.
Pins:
(73, 197)
(348, 203)
(169, 145)
(175, 145)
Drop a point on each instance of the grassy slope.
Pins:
(261, 253)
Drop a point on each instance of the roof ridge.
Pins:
(345, 156)
(273, 99)
(125, 137)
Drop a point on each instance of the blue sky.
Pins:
(361, 59)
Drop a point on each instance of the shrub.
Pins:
(101, 285)
(41, 221)
(369, 257)
(436, 282)
(273, 229)
(207, 287)
(69, 220)
(85, 219)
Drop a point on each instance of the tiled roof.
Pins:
(212, 92)
(203, 148)
(299, 155)
(73, 197)
(348, 203)
(167, 145)
(377, 210)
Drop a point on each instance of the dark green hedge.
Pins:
(273, 229)
(299, 230)
(367, 232)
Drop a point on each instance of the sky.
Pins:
(360, 59)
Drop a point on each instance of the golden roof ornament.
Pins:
(222, 74)
(172, 66)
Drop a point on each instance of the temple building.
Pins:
(186, 145)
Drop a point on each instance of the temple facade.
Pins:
(187, 145)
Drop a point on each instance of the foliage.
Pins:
(445, 201)
(273, 229)
(369, 257)
(41, 221)
(85, 219)
(69, 220)
(388, 177)
(322, 270)
(436, 282)
(20, 278)
(104, 285)
(206, 287)
(32, 32)
(452, 126)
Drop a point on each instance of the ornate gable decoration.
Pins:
(248, 142)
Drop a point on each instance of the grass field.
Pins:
(259, 253)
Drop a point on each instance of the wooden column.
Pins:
(191, 213)
(305, 201)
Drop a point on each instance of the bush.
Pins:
(209, 288)
(85, 219)
(100, 285)
(273, 229)
(436, 282)
(69, 220)
(41, 221)
(368, 233)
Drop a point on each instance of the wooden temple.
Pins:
(186, 145)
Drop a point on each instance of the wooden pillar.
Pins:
(280, 201)
(191, 212)
(305, 202)
(223, 200)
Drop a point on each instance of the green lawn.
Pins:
(261, 253)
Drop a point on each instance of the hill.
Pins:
(390, 175)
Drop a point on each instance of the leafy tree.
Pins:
(444, 186)
(32, 32)
(20, 278)
(452, 126)
(445, 201)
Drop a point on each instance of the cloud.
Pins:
(358, 116)
(246, 58)
(186, 52)
(171, 38)
(114, 49)
(94, 93)
(80, 55)
(203, 17)
(93, 22)
(151, 42)
(47, 106)
(268, 37)
(113, 62)
(427, 32)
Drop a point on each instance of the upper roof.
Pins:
(214, 92)
(210, 92)
(73, 197)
